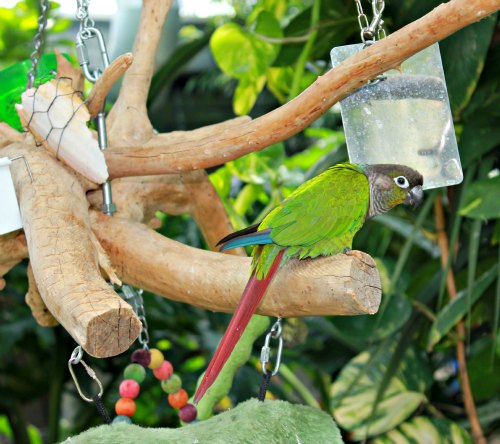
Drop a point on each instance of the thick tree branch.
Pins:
(163, 155)
(337, 285)
(63, 258)
(128, 120)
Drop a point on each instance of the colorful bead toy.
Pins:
(163, 370)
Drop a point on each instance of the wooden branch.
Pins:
(9, 135)
(128, 120)
(66, 70)
(13, 249)
(110, 76)
(289, 119)
(35, 302)
(337, 285)
(139, 198)
(55, 217)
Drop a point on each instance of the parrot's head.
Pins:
(392, 185)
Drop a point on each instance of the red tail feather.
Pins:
(250, 300)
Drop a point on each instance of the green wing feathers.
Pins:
(320, 218)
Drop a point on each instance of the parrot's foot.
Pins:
(355, 253)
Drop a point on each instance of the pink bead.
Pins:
(164, 371)
(129, 389)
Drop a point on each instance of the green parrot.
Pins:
(320, 218)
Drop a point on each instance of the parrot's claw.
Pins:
(355, 253)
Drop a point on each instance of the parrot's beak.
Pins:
(414, 196)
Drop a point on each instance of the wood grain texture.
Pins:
(56, 223)
(337, 285)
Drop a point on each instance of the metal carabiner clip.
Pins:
(265, 352)
(83, 54)
(76, 358)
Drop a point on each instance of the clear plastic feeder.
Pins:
(403, 118)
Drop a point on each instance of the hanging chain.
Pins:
(88, 31)
(82, 14)
(134, 298)
(38, 41)
(371, 31)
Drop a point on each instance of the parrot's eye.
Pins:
(402, 182)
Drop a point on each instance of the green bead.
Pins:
(171, 385)
(135, 371)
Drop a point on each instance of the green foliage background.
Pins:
(390, 377)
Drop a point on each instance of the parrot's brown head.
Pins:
(392, 185)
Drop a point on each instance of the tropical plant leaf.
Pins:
(470, 46)
(355, 389)
(422, 430)
(481, 200)
(457, 308)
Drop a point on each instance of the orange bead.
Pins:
(178, 399)
(125, 407)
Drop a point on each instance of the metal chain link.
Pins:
(371, 31)
(38, 41)
(82, 14)
(134, 298)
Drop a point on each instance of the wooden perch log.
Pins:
(337, 285)
(56, 223)
(294, 116)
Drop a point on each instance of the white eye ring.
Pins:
(401, 182)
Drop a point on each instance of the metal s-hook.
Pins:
(75, 359)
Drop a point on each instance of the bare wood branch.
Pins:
(9, 135)
(110, 76)
(66, 70)
(35, 302)
(56, 223)
(139, 198)
(337, 285)
(287, 120)
(13, 249)
(128, 120)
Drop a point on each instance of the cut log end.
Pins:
(112, 332)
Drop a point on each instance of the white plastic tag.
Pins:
(10, 217)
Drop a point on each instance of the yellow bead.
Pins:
(156, 358)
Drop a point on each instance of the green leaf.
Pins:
(246, 93)
(239, 53)
(422, 430)
(167, 73)
(470, 46)
(368, 329)
(483, 373)
(456, 309)
(259, 167)
(481, 200)
(354, 391)
(477, 139)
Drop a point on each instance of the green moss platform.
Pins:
(250, 422)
